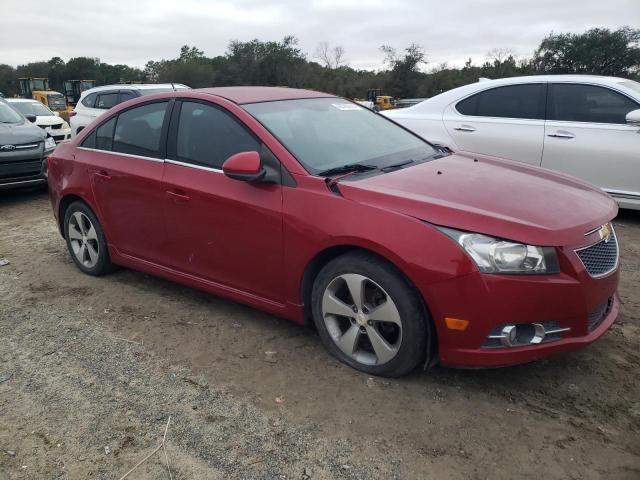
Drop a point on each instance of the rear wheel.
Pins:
(369, 316)
(85, 240)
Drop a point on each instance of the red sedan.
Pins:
(314, 208)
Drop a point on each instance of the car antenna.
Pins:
(174, 88)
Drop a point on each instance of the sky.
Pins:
(135, 31)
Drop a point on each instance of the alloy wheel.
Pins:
(83, 239)
(362, 319)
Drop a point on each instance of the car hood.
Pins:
(487, 195)
(48, 120)
(19, 133)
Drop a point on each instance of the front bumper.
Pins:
(488, 301)
(22, 168)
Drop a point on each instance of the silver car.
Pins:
(23, 147)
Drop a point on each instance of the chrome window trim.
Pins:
(151, 159)
(191, 165)
(614, 268)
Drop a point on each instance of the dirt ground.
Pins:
(92, 368)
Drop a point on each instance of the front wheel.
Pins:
(369, 316)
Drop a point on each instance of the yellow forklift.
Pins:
(74, 88)
(380, 101)
(38, 89)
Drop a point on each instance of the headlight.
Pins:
(49, 143)
(494, 255)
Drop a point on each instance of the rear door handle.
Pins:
(561, 134)
(465, 128)
(178, 196)
(103, 174)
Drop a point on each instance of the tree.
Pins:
(404, 74)
(330, 57)
(596, 51)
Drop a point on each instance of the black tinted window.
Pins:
(124, 96)
(89, 100)
(90, 140)
(107, 100)
(104, 135)
(588, 103)
(512, 101)
(208, 136)
(139, 130)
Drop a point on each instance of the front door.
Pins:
(586, 136)
(219, 229)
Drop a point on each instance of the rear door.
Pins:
(586, 136)
(505, 121)
(219, 229)
(125, 160)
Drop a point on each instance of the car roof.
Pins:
(134, 86)
(242, 95)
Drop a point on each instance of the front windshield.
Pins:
(32, 108)
(325, 133)
(8, 114)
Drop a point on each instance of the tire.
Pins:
(401, 323)
(82, 229)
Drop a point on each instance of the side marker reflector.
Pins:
(456, 323)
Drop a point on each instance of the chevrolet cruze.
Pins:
(316, 209)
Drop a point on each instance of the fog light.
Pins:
(524, 334)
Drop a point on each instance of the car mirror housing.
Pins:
(244, 166)
(633, 117)
(31, 118)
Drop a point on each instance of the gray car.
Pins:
(23, 147)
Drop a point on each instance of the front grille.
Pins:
(601, 258)
(599, 314)
(21, 147)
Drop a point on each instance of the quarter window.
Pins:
(511, 101)
(124, 96)
(207, 136)
(139, 130)
(89, 100)
(588, 103)
(107, 100)
(104, 135)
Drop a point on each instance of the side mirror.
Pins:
(31, 118)
(633, 118)
(244, 166)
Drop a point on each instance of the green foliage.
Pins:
(283, 63)
(597, 51)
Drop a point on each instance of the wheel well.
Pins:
(62, 208)
(325, 256)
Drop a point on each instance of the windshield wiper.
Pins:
(350, 167)
(388, 168)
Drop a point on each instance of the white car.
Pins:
(95, 101)
(582, 125)
(46, 119)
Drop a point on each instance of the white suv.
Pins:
(585, 126)
(95, 101)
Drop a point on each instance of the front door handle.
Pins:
(465, 128)
(561, 134)
(178, 196)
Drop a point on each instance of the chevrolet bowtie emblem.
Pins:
(605, 233)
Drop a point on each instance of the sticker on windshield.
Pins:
(347, 106)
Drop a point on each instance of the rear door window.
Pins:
(511, 101)
(139, 130)
(124, 96)
(208, 135)
(588, 103)
(107, 100)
